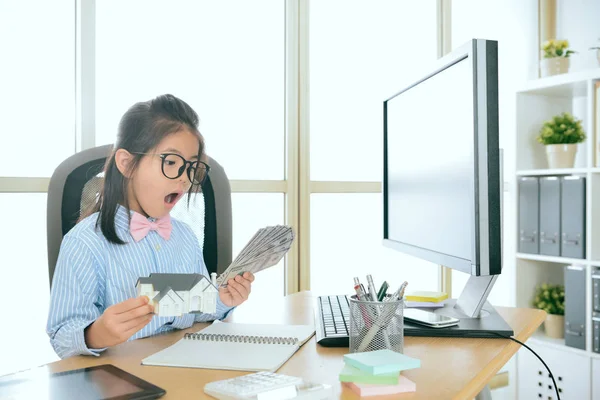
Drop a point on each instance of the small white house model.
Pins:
(173, 295)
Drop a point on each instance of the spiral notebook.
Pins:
(243, 347)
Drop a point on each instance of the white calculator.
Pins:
(267, 386)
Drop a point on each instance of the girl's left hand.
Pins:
(237, 290)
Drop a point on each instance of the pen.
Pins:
(366, 295)
(382, 291)
(359, 289)
(361, 296)
(375, 297)
(401, 295)
(398, 293)
(371, 285)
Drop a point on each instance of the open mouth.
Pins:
(172, 198)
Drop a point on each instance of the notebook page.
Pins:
(223, 355)
(300, 332)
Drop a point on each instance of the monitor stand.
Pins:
(478, 319)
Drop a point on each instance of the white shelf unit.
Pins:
(553, 172)
(553, 259)
(537, 102)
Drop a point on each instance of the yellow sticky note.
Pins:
(426, 296)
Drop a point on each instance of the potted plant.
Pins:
(555, 58)
(560, 135)
(551, 298)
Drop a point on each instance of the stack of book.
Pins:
(375, 373)
(425, 299)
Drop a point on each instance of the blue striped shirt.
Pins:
(92, 274)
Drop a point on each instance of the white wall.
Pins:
(578, 21)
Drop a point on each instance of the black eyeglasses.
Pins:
(173, 166)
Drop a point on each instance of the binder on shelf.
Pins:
(529, 215)
(550, 216)
(575, 306)
(596, 290)
(572, 216)
(597, 127)
(596, 336)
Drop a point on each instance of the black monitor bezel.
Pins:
(486, 258)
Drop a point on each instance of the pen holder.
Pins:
(376, 325)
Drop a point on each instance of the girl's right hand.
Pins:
(119, 322)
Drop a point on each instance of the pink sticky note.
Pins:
(369, 389)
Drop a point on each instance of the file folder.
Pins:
(528, 215)
(596, 290)
(550, 216)
(575, 306)
(596, 338)
(572, 218)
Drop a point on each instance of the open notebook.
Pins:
(244, 347)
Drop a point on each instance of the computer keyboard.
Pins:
(332, 320)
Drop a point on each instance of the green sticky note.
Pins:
(381, 361)
(355, 375)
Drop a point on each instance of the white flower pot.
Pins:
(561, 155)
(555, 326)
(554, 66)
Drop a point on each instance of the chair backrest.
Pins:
(76, 184)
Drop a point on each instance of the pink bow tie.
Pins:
(140, 226)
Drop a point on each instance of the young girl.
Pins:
(156, 159)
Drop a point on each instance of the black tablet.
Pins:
(101, 382)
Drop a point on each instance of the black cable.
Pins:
(535, 354)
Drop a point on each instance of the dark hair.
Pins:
(141, 129)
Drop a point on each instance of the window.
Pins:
(37, 82)
(252, 211)
(226, 59)
(235, 63)
(37, 132)
(369, 57)
(25, 265)
(346, 233)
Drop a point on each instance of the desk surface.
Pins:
(451, 368)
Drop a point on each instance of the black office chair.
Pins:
(76, 183)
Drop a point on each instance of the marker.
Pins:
(371, 285)
(361, 296)
(382, 291)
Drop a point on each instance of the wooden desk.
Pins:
(450, 368)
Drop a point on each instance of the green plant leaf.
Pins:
(561, 129)
(550, 298)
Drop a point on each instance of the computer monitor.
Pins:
(442, 176)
